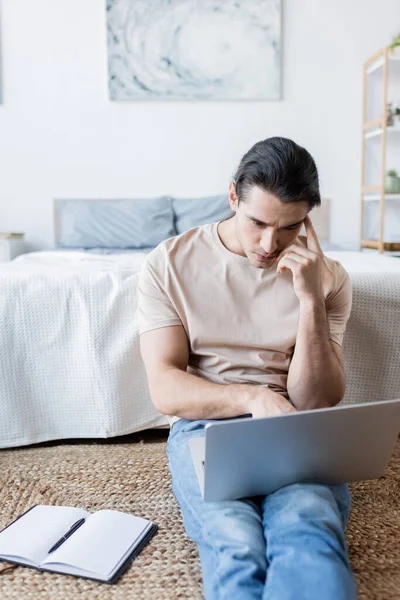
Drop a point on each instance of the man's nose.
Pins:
(269, 241)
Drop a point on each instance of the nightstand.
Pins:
(11, 245)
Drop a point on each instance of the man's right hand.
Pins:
(263, 402)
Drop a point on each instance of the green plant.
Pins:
(395, 42)
(392, 173)
(397, 111)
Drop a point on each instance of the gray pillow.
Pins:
(192, 212)
(114, 223)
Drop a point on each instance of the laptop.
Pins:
(246, 457)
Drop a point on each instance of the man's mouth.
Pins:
(266, 257)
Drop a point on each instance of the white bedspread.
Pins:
(366, 262)
(70, 364)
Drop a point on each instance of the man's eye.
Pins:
(291, 228)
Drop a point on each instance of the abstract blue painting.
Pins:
(194, 50)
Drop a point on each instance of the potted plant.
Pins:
(392, 182)
(395, 43)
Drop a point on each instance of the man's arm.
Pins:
(316, 378)
(165, 354)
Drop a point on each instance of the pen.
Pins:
(70, 531)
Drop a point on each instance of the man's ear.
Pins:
(233, 199)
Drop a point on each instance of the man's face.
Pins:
(265, 226)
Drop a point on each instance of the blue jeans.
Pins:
(289, 545)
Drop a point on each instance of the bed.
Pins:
(70, 364)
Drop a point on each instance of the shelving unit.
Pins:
(382, 65)
(375, 133)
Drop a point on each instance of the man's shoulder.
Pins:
(176, 258)
(177, 247)
(337, 269)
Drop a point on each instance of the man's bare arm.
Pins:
(316, 377)
(165, 354)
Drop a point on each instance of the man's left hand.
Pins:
(312, 278)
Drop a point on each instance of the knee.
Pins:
(314, 503)
(235, 534)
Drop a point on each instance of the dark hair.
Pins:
(281, 167)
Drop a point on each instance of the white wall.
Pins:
(60, 136)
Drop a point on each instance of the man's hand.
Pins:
(312, 278)
(263, 402)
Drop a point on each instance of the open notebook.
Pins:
(100, 549)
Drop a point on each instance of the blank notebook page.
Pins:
(100, 543)
(32, 536)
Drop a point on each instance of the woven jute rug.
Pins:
(131, 474)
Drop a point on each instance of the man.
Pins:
(247, 317)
